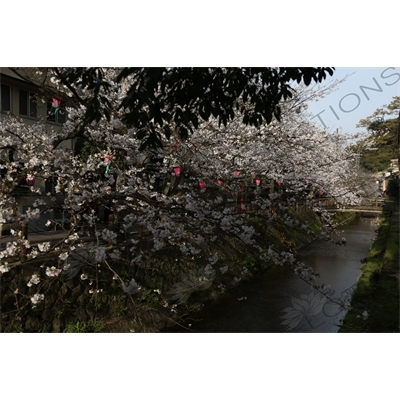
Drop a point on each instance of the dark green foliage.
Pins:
(173, 100)
(82, 327)
(85, 148)
(393, 188)
(383, 141)
(382, 144)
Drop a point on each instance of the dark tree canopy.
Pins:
(174, 100)
(383, 140)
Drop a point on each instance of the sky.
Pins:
(352, 101)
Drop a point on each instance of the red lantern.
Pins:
(220, 182)
(202, 185)
(177, 171)
(279, 183)
(107, 160)
(237, 173)
(30, 180)
(258, 182)
(55, 102)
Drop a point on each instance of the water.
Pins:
(263, 304)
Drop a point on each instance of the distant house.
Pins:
(394, 166)
(391, 173)
(29, 102)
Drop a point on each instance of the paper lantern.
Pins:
(30, 180)
(177, 171)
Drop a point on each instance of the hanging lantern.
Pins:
(237, 173)
(107, 160)
(30, 180)
(220, 182)
(258, 182)
(55, 103)
(177, 171)
(202, 185)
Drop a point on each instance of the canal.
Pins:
(279, 301)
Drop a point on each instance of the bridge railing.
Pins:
(327, 202)
(374, 202)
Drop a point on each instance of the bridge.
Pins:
(377, 205)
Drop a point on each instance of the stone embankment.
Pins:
(375, 302)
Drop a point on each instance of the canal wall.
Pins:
(375, 301)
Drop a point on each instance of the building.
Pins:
(394, 166)
(32, 104)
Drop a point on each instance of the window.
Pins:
(3, 158)
(5, 99)
(56, 111)
(50, 185)
(28, 104)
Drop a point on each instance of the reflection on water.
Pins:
(279, 301)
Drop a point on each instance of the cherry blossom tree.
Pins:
(177, 201)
